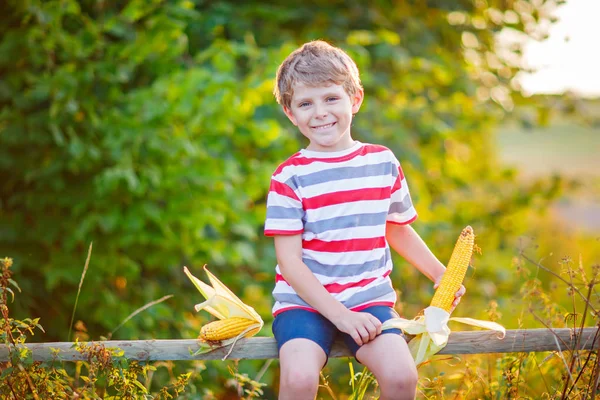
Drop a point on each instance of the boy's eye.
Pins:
(332, 98)
(304, 104)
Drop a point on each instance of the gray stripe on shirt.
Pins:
(347, 221)
(370, 294)
(343, 271)
(401, 206)
(340, 173)
(356, 299)
(278, 212)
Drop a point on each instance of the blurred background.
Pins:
(149, 129)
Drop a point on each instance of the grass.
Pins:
(85, 268)
(565, 148)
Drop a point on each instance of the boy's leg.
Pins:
(301, 361)
(304, 339)
(390, 361)
(388, 358)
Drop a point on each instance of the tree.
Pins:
(150, 129)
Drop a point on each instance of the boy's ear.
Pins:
(289, 114)
(357, 100)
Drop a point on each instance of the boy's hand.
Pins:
(457, 295)
(362, 327)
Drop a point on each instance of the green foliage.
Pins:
(105, 374)
(150, 129)
(360, 382)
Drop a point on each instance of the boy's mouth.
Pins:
(323, 127)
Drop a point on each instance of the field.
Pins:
(566, 148)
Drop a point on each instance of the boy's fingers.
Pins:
(364, 335)
(377, 324)
(356, 336)
(372, 331)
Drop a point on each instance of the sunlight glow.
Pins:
(568, 59)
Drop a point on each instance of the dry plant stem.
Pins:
(11, 388)
(29, 383)
(326, 386)
(585, 309)
(139, 310)
(519, 372)
(578, 342)
(587, 360)
(571, 284)
(549, 328)
(542, 375)
(574, 358)
(596, 369)
(87, 263)
(562, 357)
(596, 377)
(489, 371)
(558, 276)
(263, 370)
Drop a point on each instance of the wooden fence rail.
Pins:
(472, 342)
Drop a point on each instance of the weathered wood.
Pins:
(472, 342)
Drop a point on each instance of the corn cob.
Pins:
(456, 270)
(226, 329)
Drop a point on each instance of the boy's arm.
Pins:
(363, 327)
(407, 242)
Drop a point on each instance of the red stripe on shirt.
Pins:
(403, 223)
(294, 308)
(290, 161)
(340, 246)
(346, 196)
(397, 185)
(338, 287)
(298, 159)
(373, 304)
(283, 189)
(400, 172)
(274, 232)
(357, 308)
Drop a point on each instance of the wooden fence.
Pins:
(471, 342)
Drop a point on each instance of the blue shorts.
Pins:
(303, 324)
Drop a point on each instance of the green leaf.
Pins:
(13, 283)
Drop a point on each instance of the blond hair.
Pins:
(314, 64)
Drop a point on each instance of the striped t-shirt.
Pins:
(340, 203)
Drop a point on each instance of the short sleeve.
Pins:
(284, 210)
(401, 210)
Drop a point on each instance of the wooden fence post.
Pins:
(470, 342)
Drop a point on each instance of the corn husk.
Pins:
(431, 328)
(431, 331)
(222, 303)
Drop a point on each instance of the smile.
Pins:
(322, 127)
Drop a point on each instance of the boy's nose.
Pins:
(320, 112)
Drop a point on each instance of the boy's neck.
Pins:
(334, 149)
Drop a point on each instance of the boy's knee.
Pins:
(401, 382)
(300, 381)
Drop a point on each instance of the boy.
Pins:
(333, 208)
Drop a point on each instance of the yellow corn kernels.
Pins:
(456, 270)
(226, 329)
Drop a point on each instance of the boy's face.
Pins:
(324, 115)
